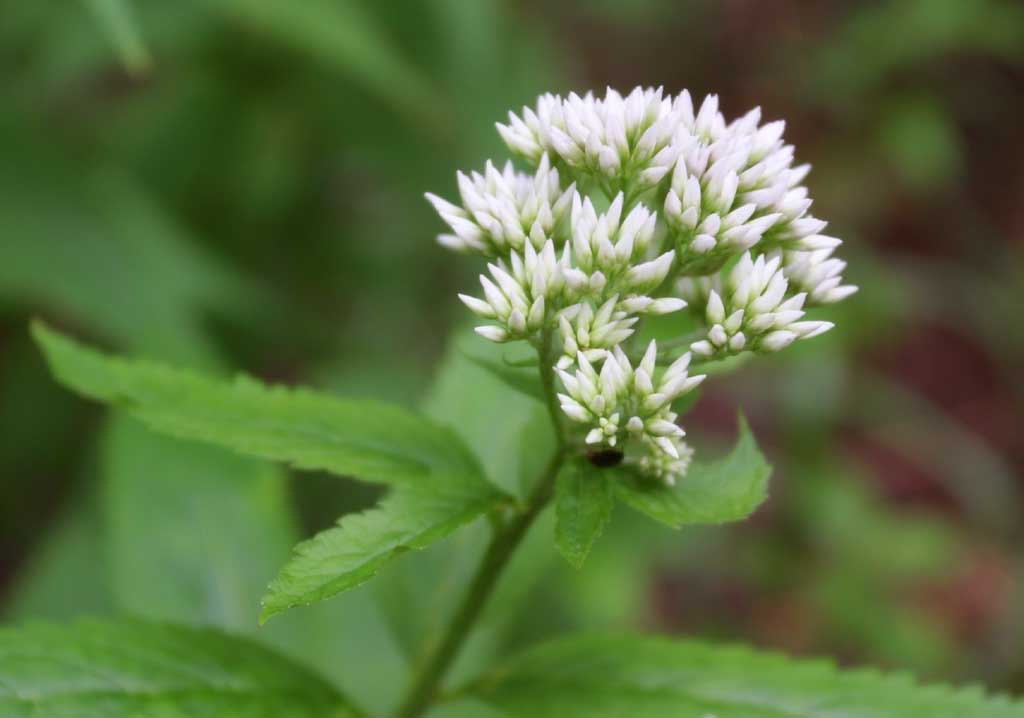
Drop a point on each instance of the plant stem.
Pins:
(503, 544)
(547, 381)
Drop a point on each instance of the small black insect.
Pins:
(605, 458)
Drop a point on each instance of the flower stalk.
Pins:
(504, 542)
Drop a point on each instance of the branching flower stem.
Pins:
(504, 542)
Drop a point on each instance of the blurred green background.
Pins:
(237, 184)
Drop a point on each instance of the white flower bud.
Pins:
(495, 334)
(778, 340)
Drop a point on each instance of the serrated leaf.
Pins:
(439, 483)
(661, 678)
(583, 507)
(365, 439)
(94, 669)
(729, 489)
(352, 552)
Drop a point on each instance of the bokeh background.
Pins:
(237, 184)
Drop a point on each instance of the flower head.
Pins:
(642, 204)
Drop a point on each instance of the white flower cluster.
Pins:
(504, 209)
(630, 142)
(755, 313)
(669, 206)
(620, 402)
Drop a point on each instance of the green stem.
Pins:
(546, 352)
(503, 544)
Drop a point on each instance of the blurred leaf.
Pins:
(729, 489)
(341, 34)
(125, 267)
(94, 668)
(583, 505)
(921, 143)
(524, 380)
(982, 480)
(868, 49)
(193, 532)
(662, 678)
(348, 640)
(372, 441)
(117, 19)
(481, 409)
(34, 412)
(536, 446)
(860, 615)
(60, 579)
(343, 557)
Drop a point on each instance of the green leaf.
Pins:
(662, 678)
(368, 440)
(94, 669)
(725, 490)
(118, 21)
(583, 507)
(440, 485)
(352, 552)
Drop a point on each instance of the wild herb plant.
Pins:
(651, 245)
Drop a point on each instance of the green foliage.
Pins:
(729, 489)
(661, 678)
(118, 21)
(112, 670)
(342, 557)
(513, 437)
(128, 205)
(67, 557)
(439, 483)
(108, 240)
(368, 440)
(510, 431)
(583, 504)
(343, 35)
(521, 379)
(192, 531)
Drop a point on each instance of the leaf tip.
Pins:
(576, 560)
(266, 613)
(40, 331)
